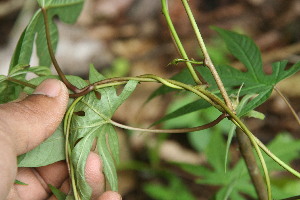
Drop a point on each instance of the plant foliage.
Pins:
(95, 124)
(254, 81)
(89, 115)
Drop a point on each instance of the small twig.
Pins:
(288, 104)
(246, 151)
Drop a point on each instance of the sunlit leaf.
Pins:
(20, 182)
(57, 193)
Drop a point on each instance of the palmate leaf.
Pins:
(66, 10)
(50, 151)
(95, 124)
(255, 80)
(236, 180)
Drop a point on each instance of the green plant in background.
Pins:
(119, 67)
(233, 181)
(93, 103)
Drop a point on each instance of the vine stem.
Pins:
(288, 104)
(207, 60)
(178, 42)
(67, 122)
(276, 159)
(52, 56)
(211, 98)
(183, 130)
(206, 95)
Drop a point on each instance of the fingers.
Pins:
(25, 124)
(56, 174)
(32, 120)
(94, 175)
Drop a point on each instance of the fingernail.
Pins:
(49, 87)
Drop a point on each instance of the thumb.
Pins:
(30, 121)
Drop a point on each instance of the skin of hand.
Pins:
(23, 126)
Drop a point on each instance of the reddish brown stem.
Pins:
(52, 56)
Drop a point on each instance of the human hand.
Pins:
(23, 126)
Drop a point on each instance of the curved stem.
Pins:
(52, 56)
(288, 104)
(178, 42)
(183, 130)
(68, 151)
(197, 90)
(215, 101)
(276, 159)
(120, 81)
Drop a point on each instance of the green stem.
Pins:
(276, 159)
(207, 59)
(183, 130)
(178, 42)
(202, 92)
(120, 81)
(212, 99)
(288, 104)
(215, 101)
(68, 151)
(23, 83)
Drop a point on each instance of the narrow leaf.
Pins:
(20, 182)
(57, 193)
(108, 163)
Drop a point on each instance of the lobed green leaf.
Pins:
(50, 151)
(254, 81)
(66, 10)
(94, 124)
